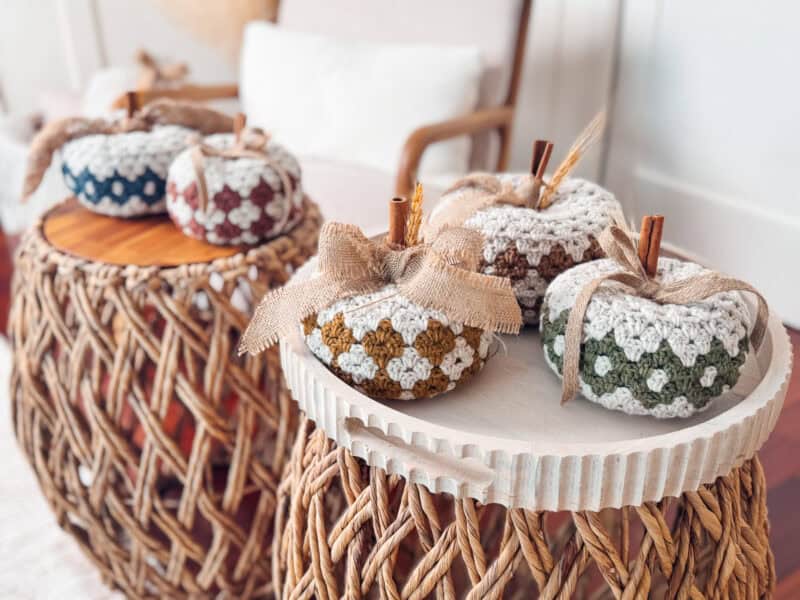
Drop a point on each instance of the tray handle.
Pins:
(436, 470)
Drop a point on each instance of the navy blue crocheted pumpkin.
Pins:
(123, 174)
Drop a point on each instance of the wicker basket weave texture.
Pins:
(343, 529)
(157, 447)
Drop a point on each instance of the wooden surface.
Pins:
(780, 456)
(143, 241)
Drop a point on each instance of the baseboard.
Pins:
(728, 234)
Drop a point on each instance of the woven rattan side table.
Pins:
(157, 447)
(495, 490)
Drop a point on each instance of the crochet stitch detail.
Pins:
(641, 357)
(146, 192)
(247, 202)
(390, 348)
(532, 247)
(123, 174)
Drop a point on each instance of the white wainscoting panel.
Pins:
(731, 235)
(705, 130)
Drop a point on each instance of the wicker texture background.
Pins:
(157, 448)
(346, 530)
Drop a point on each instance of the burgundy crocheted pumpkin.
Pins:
(232, 200)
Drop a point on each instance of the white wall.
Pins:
(705, 130)
(30, 63)
(48, 47)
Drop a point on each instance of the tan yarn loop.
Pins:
(345, 530)
(161, 112)
(487, 190)
(252, 143)
(153, 74)
(439, 276)
(618, 245)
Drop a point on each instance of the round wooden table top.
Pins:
(142, 241)
(504, 437)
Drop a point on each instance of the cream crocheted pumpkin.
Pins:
(247, 197)
(394, 349)
(532, 247)
(123, 174)
(645, 358)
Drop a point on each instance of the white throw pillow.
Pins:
(356, 101)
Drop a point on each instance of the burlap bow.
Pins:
(161, 112)
(619, 246)
(251, 143)
(153, 74)
(438, 276)
(488, 191)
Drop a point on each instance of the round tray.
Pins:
(505, 438)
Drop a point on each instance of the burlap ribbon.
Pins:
(487, 190)
(153, 74)
(161, 112)
(438, 276)
(251, 143)
(619, 246)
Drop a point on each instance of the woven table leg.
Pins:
(157, 447)
(346, 530)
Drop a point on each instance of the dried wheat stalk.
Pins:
(414, 217)
(588, 136)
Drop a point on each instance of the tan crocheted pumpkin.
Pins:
(531, 247)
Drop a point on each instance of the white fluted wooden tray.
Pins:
(503, 437)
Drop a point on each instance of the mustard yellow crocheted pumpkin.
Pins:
(391, 348)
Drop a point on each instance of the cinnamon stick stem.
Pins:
(131, 103)
(644, 239)
(655, 245)
(239, 121)
(650, 243)
(539, 176)
(540, 156)
(398, 213)
(548, 151)
(537, 154)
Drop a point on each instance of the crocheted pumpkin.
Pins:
(394, 349)
(247, 200)
(123, 174)
(645, 358)
(531, 247)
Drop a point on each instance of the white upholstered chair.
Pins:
(348, 191)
